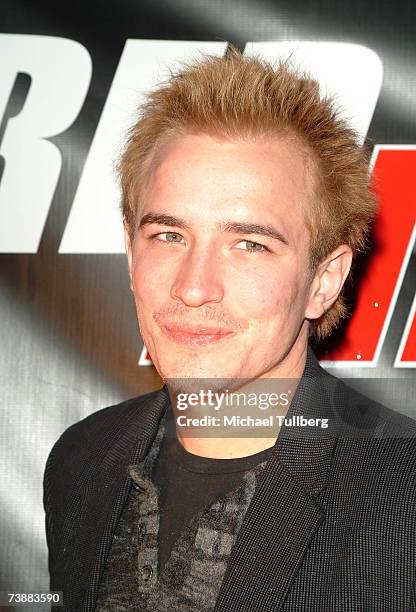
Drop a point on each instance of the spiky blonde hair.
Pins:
(237, 96)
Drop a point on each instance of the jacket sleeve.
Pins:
(48, 495)
(57, 485)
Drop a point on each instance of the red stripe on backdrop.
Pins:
(394, 174)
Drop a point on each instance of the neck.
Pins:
(206, 427)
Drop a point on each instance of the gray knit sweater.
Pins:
(192, 577)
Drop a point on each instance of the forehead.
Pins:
(208, 179)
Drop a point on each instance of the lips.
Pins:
(195, 335)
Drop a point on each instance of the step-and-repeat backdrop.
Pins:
(71, 75)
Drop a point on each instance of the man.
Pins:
(245, 199)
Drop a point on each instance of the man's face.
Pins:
(220, 260)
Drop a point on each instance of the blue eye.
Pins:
(252, 247)
(170, 237)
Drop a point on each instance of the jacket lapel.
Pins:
(283, 515)
(107, 491)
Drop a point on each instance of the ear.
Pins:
(328, 281)
(129, 251)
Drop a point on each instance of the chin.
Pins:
(193, 370)
(191, 373)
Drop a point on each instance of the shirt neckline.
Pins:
(208, 465)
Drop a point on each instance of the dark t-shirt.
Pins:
(189, 483)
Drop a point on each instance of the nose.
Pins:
(198, 279)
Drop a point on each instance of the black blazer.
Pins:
(331, 526)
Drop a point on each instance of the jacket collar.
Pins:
(280, 521)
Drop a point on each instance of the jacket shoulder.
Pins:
(372, 418)
(83, 446)
(99, 428)
(376, 444)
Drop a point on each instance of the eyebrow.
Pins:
(161, 219)
(255, 228)
(234, 227)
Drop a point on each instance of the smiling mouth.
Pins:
(195, 336)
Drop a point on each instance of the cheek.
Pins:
(269, 295)
(149, 278)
